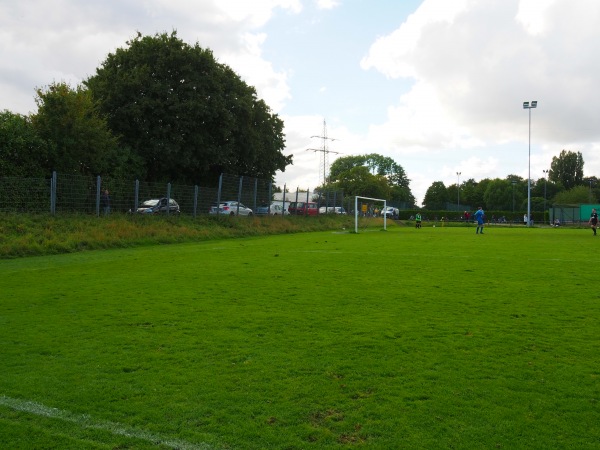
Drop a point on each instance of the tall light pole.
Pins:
(526, 105)
(458, 190)
(589, 180)
(545, 184)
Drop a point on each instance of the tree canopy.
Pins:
(371, 175)
(567, 168)
(78, 138)
(187, 116)
(436, 196)
(510, 193)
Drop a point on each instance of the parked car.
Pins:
(331, 210)
(230, 208)
(390, 212)
(275, 209)
(303, 208)
(158, 206)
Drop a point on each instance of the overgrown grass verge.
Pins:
(42, 234)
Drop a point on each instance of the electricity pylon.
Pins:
(324, 153)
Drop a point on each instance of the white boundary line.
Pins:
(85, 421)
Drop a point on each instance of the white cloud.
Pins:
(327, 4)
(531, 14)
(474, 62)
(66, 40)
(391, 54)
(456, 73)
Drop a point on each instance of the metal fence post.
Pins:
(195, 201)
(284, 188)
(168, 198)
(307, 200)
(256, 193)
(136, 196)
(239, 199)
(53, 194)
(271, 199)
(219, 194)
(98, 184)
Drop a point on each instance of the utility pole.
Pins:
(324, 150)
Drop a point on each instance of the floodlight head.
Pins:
(525, 105)
(534, 104)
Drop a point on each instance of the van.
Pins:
(303, 208)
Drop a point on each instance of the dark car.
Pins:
(158, 206)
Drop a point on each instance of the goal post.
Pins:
(361, 209)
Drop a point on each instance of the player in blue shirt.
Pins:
(479, 215)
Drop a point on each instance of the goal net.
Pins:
(369, 214)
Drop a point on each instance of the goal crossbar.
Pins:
(371, 199)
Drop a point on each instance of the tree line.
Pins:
(159, 110)
(564, 184)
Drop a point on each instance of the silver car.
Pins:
(390, 212)
(230, 208)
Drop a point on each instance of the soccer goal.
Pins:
(369, 212)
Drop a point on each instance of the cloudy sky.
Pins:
(437, 85)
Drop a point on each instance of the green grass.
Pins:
(36, 235)
(416, 339)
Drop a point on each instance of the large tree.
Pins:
(23, 153)
(359, 181)
(576, 195)
(189, 117)
(383, 170)
(79, 140)
(567, 169)
(498, 195)
(436, 196)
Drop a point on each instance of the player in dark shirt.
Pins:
(594, 220)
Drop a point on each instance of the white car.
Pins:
(332, 210)
(275, 209)
(390, 212)
(230, 208)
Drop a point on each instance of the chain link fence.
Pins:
(64, 193)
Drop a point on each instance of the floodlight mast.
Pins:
(458, 190)
(526, 105)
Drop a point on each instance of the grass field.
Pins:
(415, 339)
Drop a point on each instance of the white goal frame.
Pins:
(372, 199)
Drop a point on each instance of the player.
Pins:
(479, 215)
(594, 220)
(418, 220)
